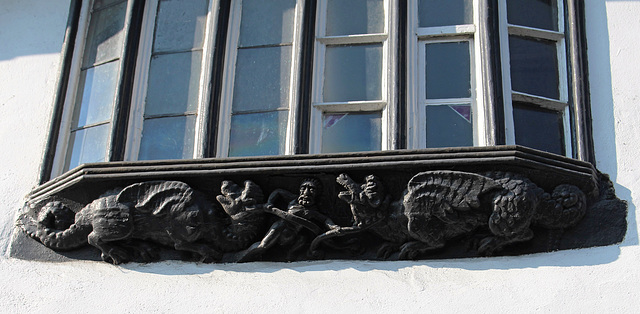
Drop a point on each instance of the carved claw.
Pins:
(387, 249)
(407, 252)
(210, 255)
(147, 253)
(315, 254)
(115, 256)
(206, 253)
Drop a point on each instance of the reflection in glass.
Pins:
(174, 82)
(96, 93)
(104, 38)
(180, 25)
(445, 12)
(167, 138)
(355, 17)
(351, 132)
(534, 66)
(533, 13)
(87, 145)
(353, 73)
(258, 134)
(538, 128)
(262, 78)
(449, 126)
(266, 22)
(97, 4)
(448, 70)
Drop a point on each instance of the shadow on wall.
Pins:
(31, 27)
(572, 258)
(601, 88)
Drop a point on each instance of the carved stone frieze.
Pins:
(394, 208)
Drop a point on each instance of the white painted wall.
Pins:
(597, 280)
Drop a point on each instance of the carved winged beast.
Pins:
(441, 205)
(166, 212)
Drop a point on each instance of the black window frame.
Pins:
(577, 68)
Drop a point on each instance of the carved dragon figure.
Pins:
(169, 213)
(441, 205)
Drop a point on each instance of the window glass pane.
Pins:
(180, 24)
(538, 128)
(258, 134)
(355, 17)
(104, 38)
(262, 78)
(351, 132)
(167, 138)
(449, 126)
(96, 93)
(87, 145)
(266, 22)
(534, 66)
(445, 12)
(448, 70)
(533, 13)
(174, 82)
(353, 73)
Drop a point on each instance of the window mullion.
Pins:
(302, 111)
(503, 34)
(136, 116)
(490, 66)
(202, 137)
(120, 117)
(224, 116)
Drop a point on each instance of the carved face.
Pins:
(308, 193)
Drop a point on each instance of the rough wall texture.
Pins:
(592, 280)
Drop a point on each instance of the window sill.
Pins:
(603, 223)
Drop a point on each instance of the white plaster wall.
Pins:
(597, 280)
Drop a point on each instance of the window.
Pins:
(260, 78)
(171, 79)
(351, 83)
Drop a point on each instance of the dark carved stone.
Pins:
(441, 205)
(169, 213)
(394, 213)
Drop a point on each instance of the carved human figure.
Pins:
(287, 233)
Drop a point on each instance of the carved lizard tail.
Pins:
(55, 226)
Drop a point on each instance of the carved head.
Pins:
(56, 215)
(310, 190)
(235, 199)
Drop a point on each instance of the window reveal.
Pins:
(90, 125)
(355, 62)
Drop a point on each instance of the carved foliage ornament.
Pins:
(495, 209)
